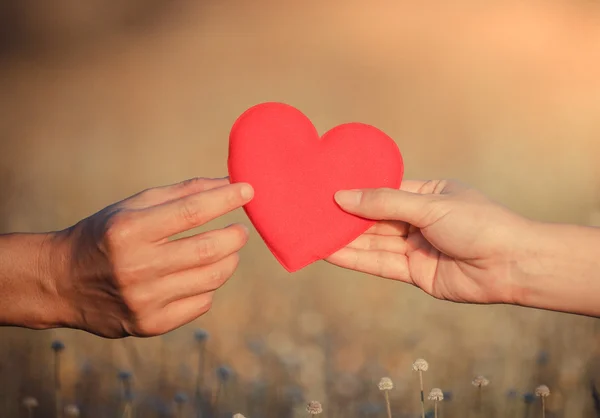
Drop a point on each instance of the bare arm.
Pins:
(560, 269)
(27, 282)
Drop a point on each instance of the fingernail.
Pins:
(247, 192)
(244, 227)
(348, 198)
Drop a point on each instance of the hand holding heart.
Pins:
(451, 241)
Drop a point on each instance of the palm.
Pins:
(395, 251)
(440, 275)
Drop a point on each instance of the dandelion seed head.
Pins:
(238, 415)
(180, 398)
(314, 407)
(224, 373)
(257, 346)
(30, 402)
(480, 381)
(542, 391)
(124, 375)
(543, 358)
(436, 394)
(420, 365)
(57, 346)
(385, 384)
(201, 335)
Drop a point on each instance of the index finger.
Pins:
(158, 195)
(159, 222)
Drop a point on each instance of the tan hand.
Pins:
(121, 275)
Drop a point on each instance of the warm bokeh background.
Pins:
(99, 100)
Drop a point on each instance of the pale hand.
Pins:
(451, 241)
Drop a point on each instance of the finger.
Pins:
(162, 194)
(413, 186)
(372, 242)
(188, 283)
(391, 228)
(200, 250)
(388, 204)
(379, 263)
(162, 221)
(177, 314)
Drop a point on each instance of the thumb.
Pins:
(388, 204)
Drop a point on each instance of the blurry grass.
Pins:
(87, 121)
(275, 392)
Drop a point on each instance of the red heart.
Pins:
(295, 174)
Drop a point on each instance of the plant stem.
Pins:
(216, 398)
(387, 401)
(543, 407)
(435, 409)
(57, 391)
(422, 395)
(199, 378)
(127, 410)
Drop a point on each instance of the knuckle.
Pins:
(207, 248)
(136, 301)
(380, 200)
(150, 194)
(120, 229)
(216, 277)
(189, 213)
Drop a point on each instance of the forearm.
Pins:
(28, 296)
(559, 269)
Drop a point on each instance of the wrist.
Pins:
(557, 268)
(55, 271)
(30, 267)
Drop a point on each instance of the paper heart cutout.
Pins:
(295, 174)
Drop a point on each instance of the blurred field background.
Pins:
(99, 100)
